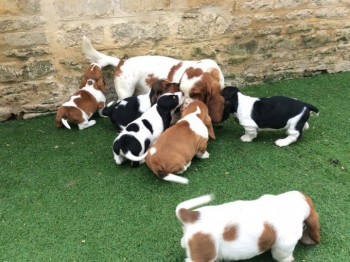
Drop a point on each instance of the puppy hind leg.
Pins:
(283, 254)
(202, 149)
(86, 124)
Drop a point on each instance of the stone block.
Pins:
(22, 39)
(21, 23)
(11, 7)
(26, 53)
(37, 69)
(286, 4)
(299, 28)
(79, 9)
(137, 33)
(299, 15)
(9, 74)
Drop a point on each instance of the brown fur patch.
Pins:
(93, 72)
(173, 70)
(267, 238)
(150, 80)
(311, 234)
(193, 72)
(161, 86)
(86, 102)
(202, 248)
(188, 216)
(118, 69)
(230, 233)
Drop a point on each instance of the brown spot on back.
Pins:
(267, 238)
(202, 248)
(193, 72)
(86, 102)
(150, 80)
(118, 69)
(188, 216)
(230, 233)
(173, 70)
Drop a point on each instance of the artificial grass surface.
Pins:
(64, 199)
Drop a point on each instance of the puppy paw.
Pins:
(281, 142)
(202, 156)
(306, 126)
(246, 138)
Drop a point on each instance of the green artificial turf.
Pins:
(63, 198)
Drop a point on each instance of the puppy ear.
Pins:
(101, 85)
(172, 87)
(216, 105)
(208, 123)
(83, 81)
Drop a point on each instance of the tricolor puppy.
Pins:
(135, 139)
(85, 102)
(276, 112)
(244, 229)
(180, 143)
(135, 76)
(124, 112)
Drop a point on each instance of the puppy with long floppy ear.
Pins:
(85, 102)
(175, 148)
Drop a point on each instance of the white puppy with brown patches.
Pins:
(244, 229)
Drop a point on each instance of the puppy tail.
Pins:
(311, 234)
(131, 157)
(93, 56)
(312, 108)
(61, 118)
(173, 178)
(183, 212)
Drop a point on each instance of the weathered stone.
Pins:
(37, 69)
(72, 35)
(290, 3)
(300, 27)
(9, 74)
(315, 40)
(26, 39)
(131, 34)
(299, 14)
(335, 12)
(27, 53)
(237, 59)
(21, 23)
(257, 4)
(28, 7)
(78, 9)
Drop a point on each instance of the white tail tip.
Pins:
(65, 123)
(176, 179)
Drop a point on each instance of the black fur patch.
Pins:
(133, 127)
(147, 125)
(147, 143)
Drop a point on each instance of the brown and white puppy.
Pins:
(176, 146)
(85, 102)
(124, 112)
(204, 81)
(244, 229)
(201, 80)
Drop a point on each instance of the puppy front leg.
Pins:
(118, 159)
(250, 134)
(100, 107)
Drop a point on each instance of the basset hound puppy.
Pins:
(175, 148)
(135, 76)
(124, 112)
(133, 141)
(269, 113)
(243, 229)
(85, 102)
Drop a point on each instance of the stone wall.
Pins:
(253, 41)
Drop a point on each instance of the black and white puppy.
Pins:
(124, 112)
(139, 135)
(276, 112)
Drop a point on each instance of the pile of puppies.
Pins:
(165, 114)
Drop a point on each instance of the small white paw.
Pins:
(281, 142)
(306, 126)
(246, 138)
(203, 156)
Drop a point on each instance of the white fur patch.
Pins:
(152, 151)
(196, 124)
